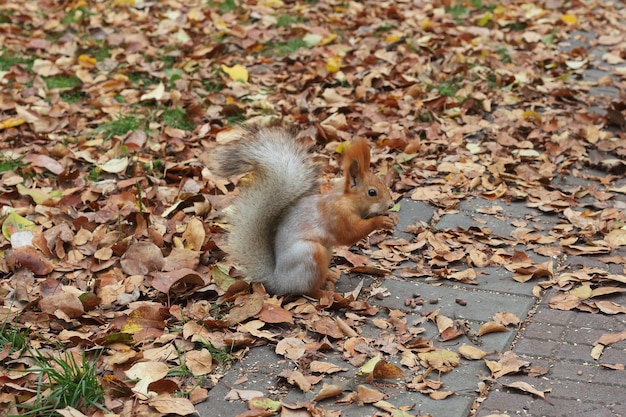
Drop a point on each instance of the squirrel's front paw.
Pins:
(387, 223)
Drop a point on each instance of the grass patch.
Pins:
(286, 20)
(177, 118)
(119, 126)
(62, 82)
(16, 339)
(282, 48)
(227, 6)
(101, 52)
(141, 79)
(449, 87)
(503, 53)
(79, 15)
(66, 382)
(73, 96)
(222, 356)
(5, 16)
(9, 165)
(9, 58)
(224, 6)
(462, 8)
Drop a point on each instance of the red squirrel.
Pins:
(282, 230)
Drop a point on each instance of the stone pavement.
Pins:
(560, 341)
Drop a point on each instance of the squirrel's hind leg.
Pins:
(303, 269)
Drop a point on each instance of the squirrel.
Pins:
(282, 230)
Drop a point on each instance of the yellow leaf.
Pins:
(392, 38)
(272, 3)
(40, 195)
(11, 122)
(124, 3)
(333, 64)
(583, 292)
(328, 39)
(368, 367)
(15, 223)
(236, 73)
(531, 114)
(87, 61)
(569, 19)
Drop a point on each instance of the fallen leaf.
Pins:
(526, 387)
(367, 395)
(236, 73)
(491, 327)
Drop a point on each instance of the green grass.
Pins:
(120, 126)
(9, 58)
(9, 165)
(176, 118)
(73, 96)
(79, 15)
(62, 82)
(282, 48)
(286, 20)
(462, 8)
(227, 6)
(503, 53)
(17, 338)
(142, 79)
(224, 357)
(66, 382)
(449, 87)
(100, 52)
(224, 6)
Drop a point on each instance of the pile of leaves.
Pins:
(111, 248)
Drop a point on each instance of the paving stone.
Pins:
(545, 314)
(536, 348)
(493, 278)
(481, 305)
(412, 212)
(544, 331)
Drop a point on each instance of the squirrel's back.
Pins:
(282, 173)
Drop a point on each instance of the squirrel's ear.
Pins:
(356, 162)
(353, 174)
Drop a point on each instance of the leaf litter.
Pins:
(112, 240)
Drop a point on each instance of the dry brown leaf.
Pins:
(440, 395)
(246, 306)
(471, 352)
(328, 391)
(367, 395)
(505, 318)
(509, 363)
(62, 301)
(199, 362)
(295, 377)
(291, 348)
(271, 313)
(610, 307)
(610, 338)
(526, 387)
(167, 404)
(491, 327)
(325, 367)
(443, 360)
(385, 370)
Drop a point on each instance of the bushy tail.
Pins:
(282, 173)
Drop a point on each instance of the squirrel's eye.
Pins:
(372, 192)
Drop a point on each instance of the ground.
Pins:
(498, 126)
